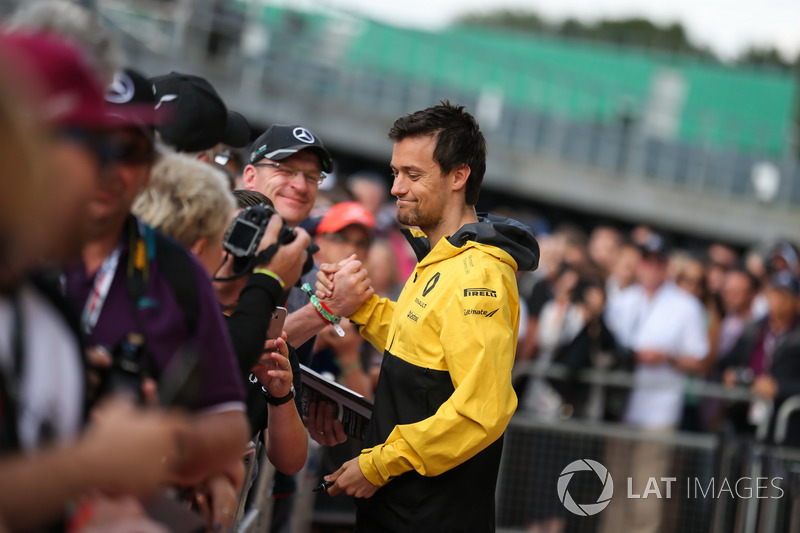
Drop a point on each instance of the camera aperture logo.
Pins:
(585, 509)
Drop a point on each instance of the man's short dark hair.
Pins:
(459, 141)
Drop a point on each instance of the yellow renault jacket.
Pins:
(444, 396)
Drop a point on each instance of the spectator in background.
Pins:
(46, 179)
(559, 322)
(756, 264)
(383, 270)
(565, 247)
(345, 232)
(664, 329)
(720, 259)
(767, 357)
(783, 256)
(604, 246)
(693, 279)
(623, 270)
(739, 290)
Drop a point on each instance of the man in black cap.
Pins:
(287, 165)
(198, 119)
(767, 356)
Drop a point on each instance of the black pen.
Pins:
(324, 486)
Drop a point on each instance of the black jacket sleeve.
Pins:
(248, 324)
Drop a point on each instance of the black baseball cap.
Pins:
(784, 280)
(199, 119)
(279, 142)
(130, 95)
(655, 245)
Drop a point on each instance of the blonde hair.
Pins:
(186, 199)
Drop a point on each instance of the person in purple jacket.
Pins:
(119, 287)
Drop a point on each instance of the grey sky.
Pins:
(728, 26)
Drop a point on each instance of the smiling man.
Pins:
(444, 396)
(287, 165)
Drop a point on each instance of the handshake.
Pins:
(344, 286)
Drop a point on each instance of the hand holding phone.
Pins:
(273, 371)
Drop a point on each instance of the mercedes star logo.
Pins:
(303, 135)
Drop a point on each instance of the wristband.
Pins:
(271, 274)
(272, 400)
(323, 311)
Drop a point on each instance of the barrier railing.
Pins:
(685, 482)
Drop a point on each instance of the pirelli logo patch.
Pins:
(480, 292)
(413, 316)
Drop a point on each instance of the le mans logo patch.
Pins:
(480, 292)
(431, 284)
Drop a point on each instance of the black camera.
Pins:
(245, 233)
(126, 373)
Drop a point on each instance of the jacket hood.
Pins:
(511, 236)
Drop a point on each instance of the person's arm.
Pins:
(479, 352)
(302, 325)
(209, 442)
(126, 450)
(248, 324)
(286, 440)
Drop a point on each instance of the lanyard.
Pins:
(102, 284)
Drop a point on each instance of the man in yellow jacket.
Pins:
(444, 396)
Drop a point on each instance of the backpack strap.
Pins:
(146, 245)
(176, 265)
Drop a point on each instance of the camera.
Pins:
(245, 234)
(126, 373)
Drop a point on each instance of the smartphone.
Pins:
(276, 323)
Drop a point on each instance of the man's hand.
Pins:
(323, 427)
(287, 263)
(351, 481)
(273, 370)
(765, 386)
(344, 287)
(133, 449)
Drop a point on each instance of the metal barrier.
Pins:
(553, 473)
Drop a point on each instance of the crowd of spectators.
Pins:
(118, 191)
